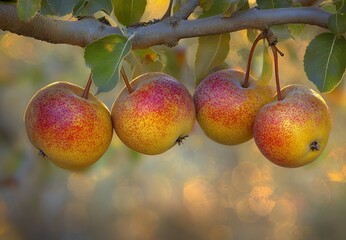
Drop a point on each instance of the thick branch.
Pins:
(83, 32)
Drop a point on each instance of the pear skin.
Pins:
(73, 132)
(294, 131)
(225, 109)
(157, 115)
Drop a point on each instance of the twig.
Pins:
(185, 10)
(169, 10)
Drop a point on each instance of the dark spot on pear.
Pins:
(42, 154)
(314, 146)
(180, 140)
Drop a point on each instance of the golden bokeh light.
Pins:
(127, 197)
(157, 190)
(284, 211)
(141, 225)
(336, 169)
(81, 185)
(244, 211)
(260, 200)
(229, 194)
(18, 47)
(287, 231)
(201, 200)
(245, 176)
(339, 175)
(221, 232)
(75, 216)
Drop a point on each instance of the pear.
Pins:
(158, 114)
(294, 131)
(73, 132)
(225, 109)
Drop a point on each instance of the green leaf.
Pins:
(281, 32)
(129, 11)
(206, 4)
(144, 60)
(252, 34)
(295, 29)
(325, 62)
(211, 51)
(26, 9)
(105, 56)
(177, 6)
(243, 4)
(230, 10)
(265, 4)
(267, 66)
(341, 6)
(173, 60)
(337, 24)
(60, 7)
(89, 7)
(218, 7)
(234, 6)
(329, 8)
(46, 9)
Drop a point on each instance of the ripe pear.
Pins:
(158, 114)
(294, 131)
(73, 132)
(225, 109)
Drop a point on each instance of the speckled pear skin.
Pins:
(294, 131)
(225, 109)
(73, 132)
(155, 116)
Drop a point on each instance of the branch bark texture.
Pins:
(168, 31)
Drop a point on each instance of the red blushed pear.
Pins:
(226, 109)
(294, 131)
(71, 130)
(154, 117)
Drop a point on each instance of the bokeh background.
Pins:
(199, 190)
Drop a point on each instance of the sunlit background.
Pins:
(198, 190)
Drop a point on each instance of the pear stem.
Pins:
(248, 67)
(276, 66)
(87, 87)
(126, 80)
(278, 50)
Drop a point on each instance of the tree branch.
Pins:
(185, 11)
(83, 32)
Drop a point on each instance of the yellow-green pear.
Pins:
(226, 109)
(294, 131)
(158, 114)
(73, 132)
